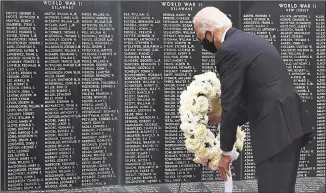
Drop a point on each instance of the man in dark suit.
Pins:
(256, 88)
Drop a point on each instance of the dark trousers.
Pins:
(278, 173)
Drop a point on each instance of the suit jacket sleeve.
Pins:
(242, 117)
(232, 73)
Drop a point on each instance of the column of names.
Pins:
(99, 109)
(179, 68)
(297, 51)
(321, 93)
(61, 76)
(141, 87)
(23, 172)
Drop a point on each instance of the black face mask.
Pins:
(209, 46)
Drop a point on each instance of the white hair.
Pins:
(210, 17)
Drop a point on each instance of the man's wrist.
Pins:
(227, 153)
(233, 154)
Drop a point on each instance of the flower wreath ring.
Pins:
(201, 96)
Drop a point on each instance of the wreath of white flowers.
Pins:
(196, 101)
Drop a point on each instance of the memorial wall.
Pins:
(90, 89)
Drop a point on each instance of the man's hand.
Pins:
(214, 117)
(223, 167)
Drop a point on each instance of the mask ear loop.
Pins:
(212, 34)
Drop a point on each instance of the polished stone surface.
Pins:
(303, 185)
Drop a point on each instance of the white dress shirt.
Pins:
(223, 37)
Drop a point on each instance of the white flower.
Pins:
(211, 92)
(213, 79)
(201, 78)
(200, 161)
(188, 127)
(240, 133)
(213, 164)
(202, 152)
(186, 103)
(217, 140)
(209, 89)
(200, 105)
(210, 134)
(209, 82)
(203, 94)
(188, 135)
(209, 140)
(240, 139)
(216, 151)
(238, 144)
(196, 118)
(217, 86)
(201, 132)
(205, 149)
(185, 94)
(203, 119)
(195, 89)
(192, 144)
(210, 75)
(188, 116)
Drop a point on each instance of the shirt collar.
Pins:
(223, 37)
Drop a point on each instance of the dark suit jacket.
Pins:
(256, 87)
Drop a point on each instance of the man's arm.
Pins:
(242, 116)
(232, 73)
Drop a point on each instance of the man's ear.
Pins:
(209, 35)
